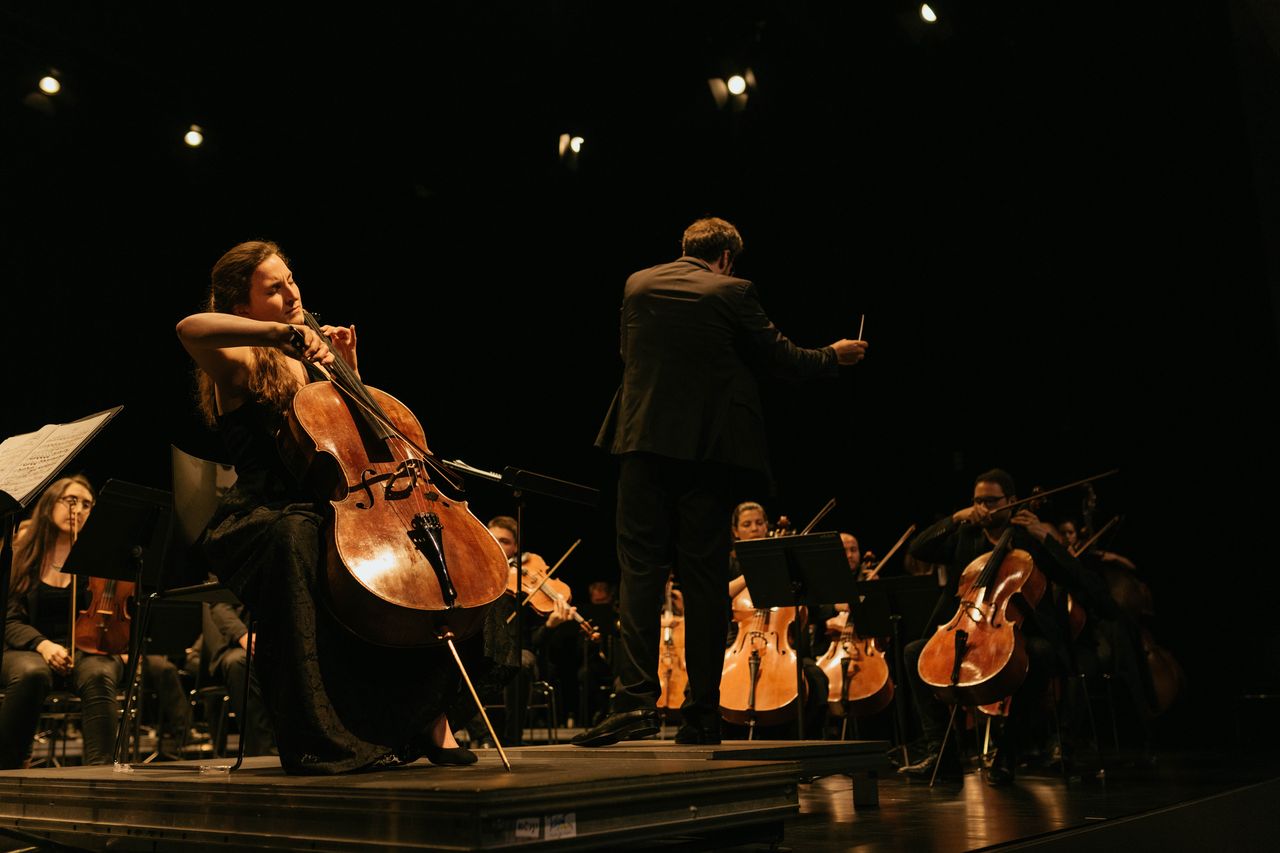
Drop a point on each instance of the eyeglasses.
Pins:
(76, 504)
(989, 502)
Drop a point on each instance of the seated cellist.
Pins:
(749, 522)
(956, 541)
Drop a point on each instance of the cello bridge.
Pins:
(408, 468)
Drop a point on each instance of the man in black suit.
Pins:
(685, 422)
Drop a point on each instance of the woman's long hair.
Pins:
(36, 540)
(269, 376)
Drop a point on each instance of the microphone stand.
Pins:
(520, 482)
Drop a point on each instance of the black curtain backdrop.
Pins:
(1057, 222)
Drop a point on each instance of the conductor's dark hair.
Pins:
(708, 239)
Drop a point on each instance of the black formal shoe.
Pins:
(949, 769)
(1000, 773)
(691, 733)
(625, 725)
(449, 755)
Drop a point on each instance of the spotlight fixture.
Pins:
(49, 83)
(927, 14)
(733, 90)
(570, 144)
(194, 137)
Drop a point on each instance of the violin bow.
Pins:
(75, 582)
(545, 578)
(333, 377)
(1040, 495)
(901, 541)
(822, 513)
(1095, 537)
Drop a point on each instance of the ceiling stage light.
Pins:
(50, 85)
(194, 137)
(927, 14)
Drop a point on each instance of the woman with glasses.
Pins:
(38, 629)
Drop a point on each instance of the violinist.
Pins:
(38, 632)
(686, 426)
(546, 630)
(337, 702)
(956, 541)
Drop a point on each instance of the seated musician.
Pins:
(226, 639)
(957, 540)
(1113, 644)
(38, 633)
(338, 702)
(508, 685)
(749, 522)
(856, 559)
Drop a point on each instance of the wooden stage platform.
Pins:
(556, 797)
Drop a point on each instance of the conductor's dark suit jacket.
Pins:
(692, 343)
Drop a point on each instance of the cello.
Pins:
(979, 656)
(406, 564)
(759, 683)
(857, 673)
(672, 675)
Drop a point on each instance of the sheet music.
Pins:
(28, 462)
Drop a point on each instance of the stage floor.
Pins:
(555, 797)
(653, 795)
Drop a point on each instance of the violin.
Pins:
(406, 562)
(980, 656)
(104, 626)
(672, 676)
(543, 592)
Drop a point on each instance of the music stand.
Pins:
(790, 571)
(909, 600)
(521, 482)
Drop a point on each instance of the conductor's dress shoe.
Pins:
(949, 769)
(625, 725)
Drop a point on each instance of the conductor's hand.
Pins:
(305, 344)
(58, 658)
(850, 352)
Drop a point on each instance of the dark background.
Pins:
(1060, 223)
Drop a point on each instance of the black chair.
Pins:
(198, 484)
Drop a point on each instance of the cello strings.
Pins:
(359, 393)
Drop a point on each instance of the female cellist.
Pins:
(338, 703)
(773, 634)
(962, 540)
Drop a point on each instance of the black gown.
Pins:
(338, 704)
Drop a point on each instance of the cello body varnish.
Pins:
(979, 657)
(404, 561)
